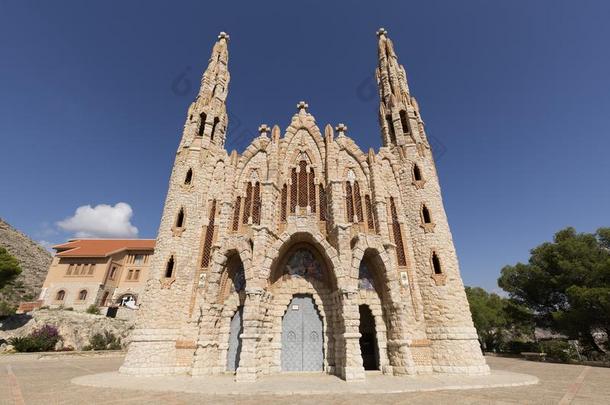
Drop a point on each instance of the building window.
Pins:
(247, 203)
(214, 126)
(70, 268)
(293, 190)
(322, 195)
(436, 264)
(82, 295)
(358, 202)
(84, 269)
(189, 177)
(284, 202)
(180, 218)
(256, 204)
(390, 124)
(404, 121)
(370, 223)
(349, 202)
(136, 275)
(425, 214)
(416, 172)
(77, 270)
(129, 274)
(202, 117)
(236, 213)
(206, 255)
(60, 296)
(397, 233)
(138, 259)
(169, 268)
(112, 273)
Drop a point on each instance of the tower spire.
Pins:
(208, 119)
(398, 115)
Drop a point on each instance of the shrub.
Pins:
(104, 341)
(42, 339)
(559, 350)
(93, 309)
(517, 347)
(7, 309)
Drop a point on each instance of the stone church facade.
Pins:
(304, 253)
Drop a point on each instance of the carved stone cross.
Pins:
(341, 129)
(381, 31)
(263, 129)
(302, 105)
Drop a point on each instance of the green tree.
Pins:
(9, 267)
(566, 283)
(497, 319)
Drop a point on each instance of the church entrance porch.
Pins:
(302, 339)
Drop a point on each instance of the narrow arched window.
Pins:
(293, 190)
(312, 191)
(397, 233)
(322, 195)
(369, 213)
(416, 172)
(256, 204)
(189, 177)
(214, 127)
(349, 202)
(284, 202)
(391, 128)
(436, 264)
(236, 213)
(61, 295)
(202, 117)
(169, 267)
(358, 202)
(426, 215)
(404, 121)
(180, 218)
(247, 203)
(303, 184)
(82, 295)
(209, 237)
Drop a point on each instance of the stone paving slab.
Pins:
(305, 384)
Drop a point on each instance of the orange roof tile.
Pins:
(101, 247)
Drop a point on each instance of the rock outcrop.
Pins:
(33, 259)
(75, 328)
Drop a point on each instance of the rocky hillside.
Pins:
(75, 328)
(34, 260)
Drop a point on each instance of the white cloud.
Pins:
(47, 245)
(101, 221)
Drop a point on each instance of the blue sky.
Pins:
(515, 94)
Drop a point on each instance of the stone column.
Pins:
(353, 369)
(250, 335)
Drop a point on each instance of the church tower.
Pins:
(448, 322)
(163, 341)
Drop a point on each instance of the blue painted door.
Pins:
(235, 340)
(302, 339)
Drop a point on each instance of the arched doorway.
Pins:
(368, 339)
(231, 295)
(302, 336)
(373, 297)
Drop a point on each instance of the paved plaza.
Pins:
(25, 379)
